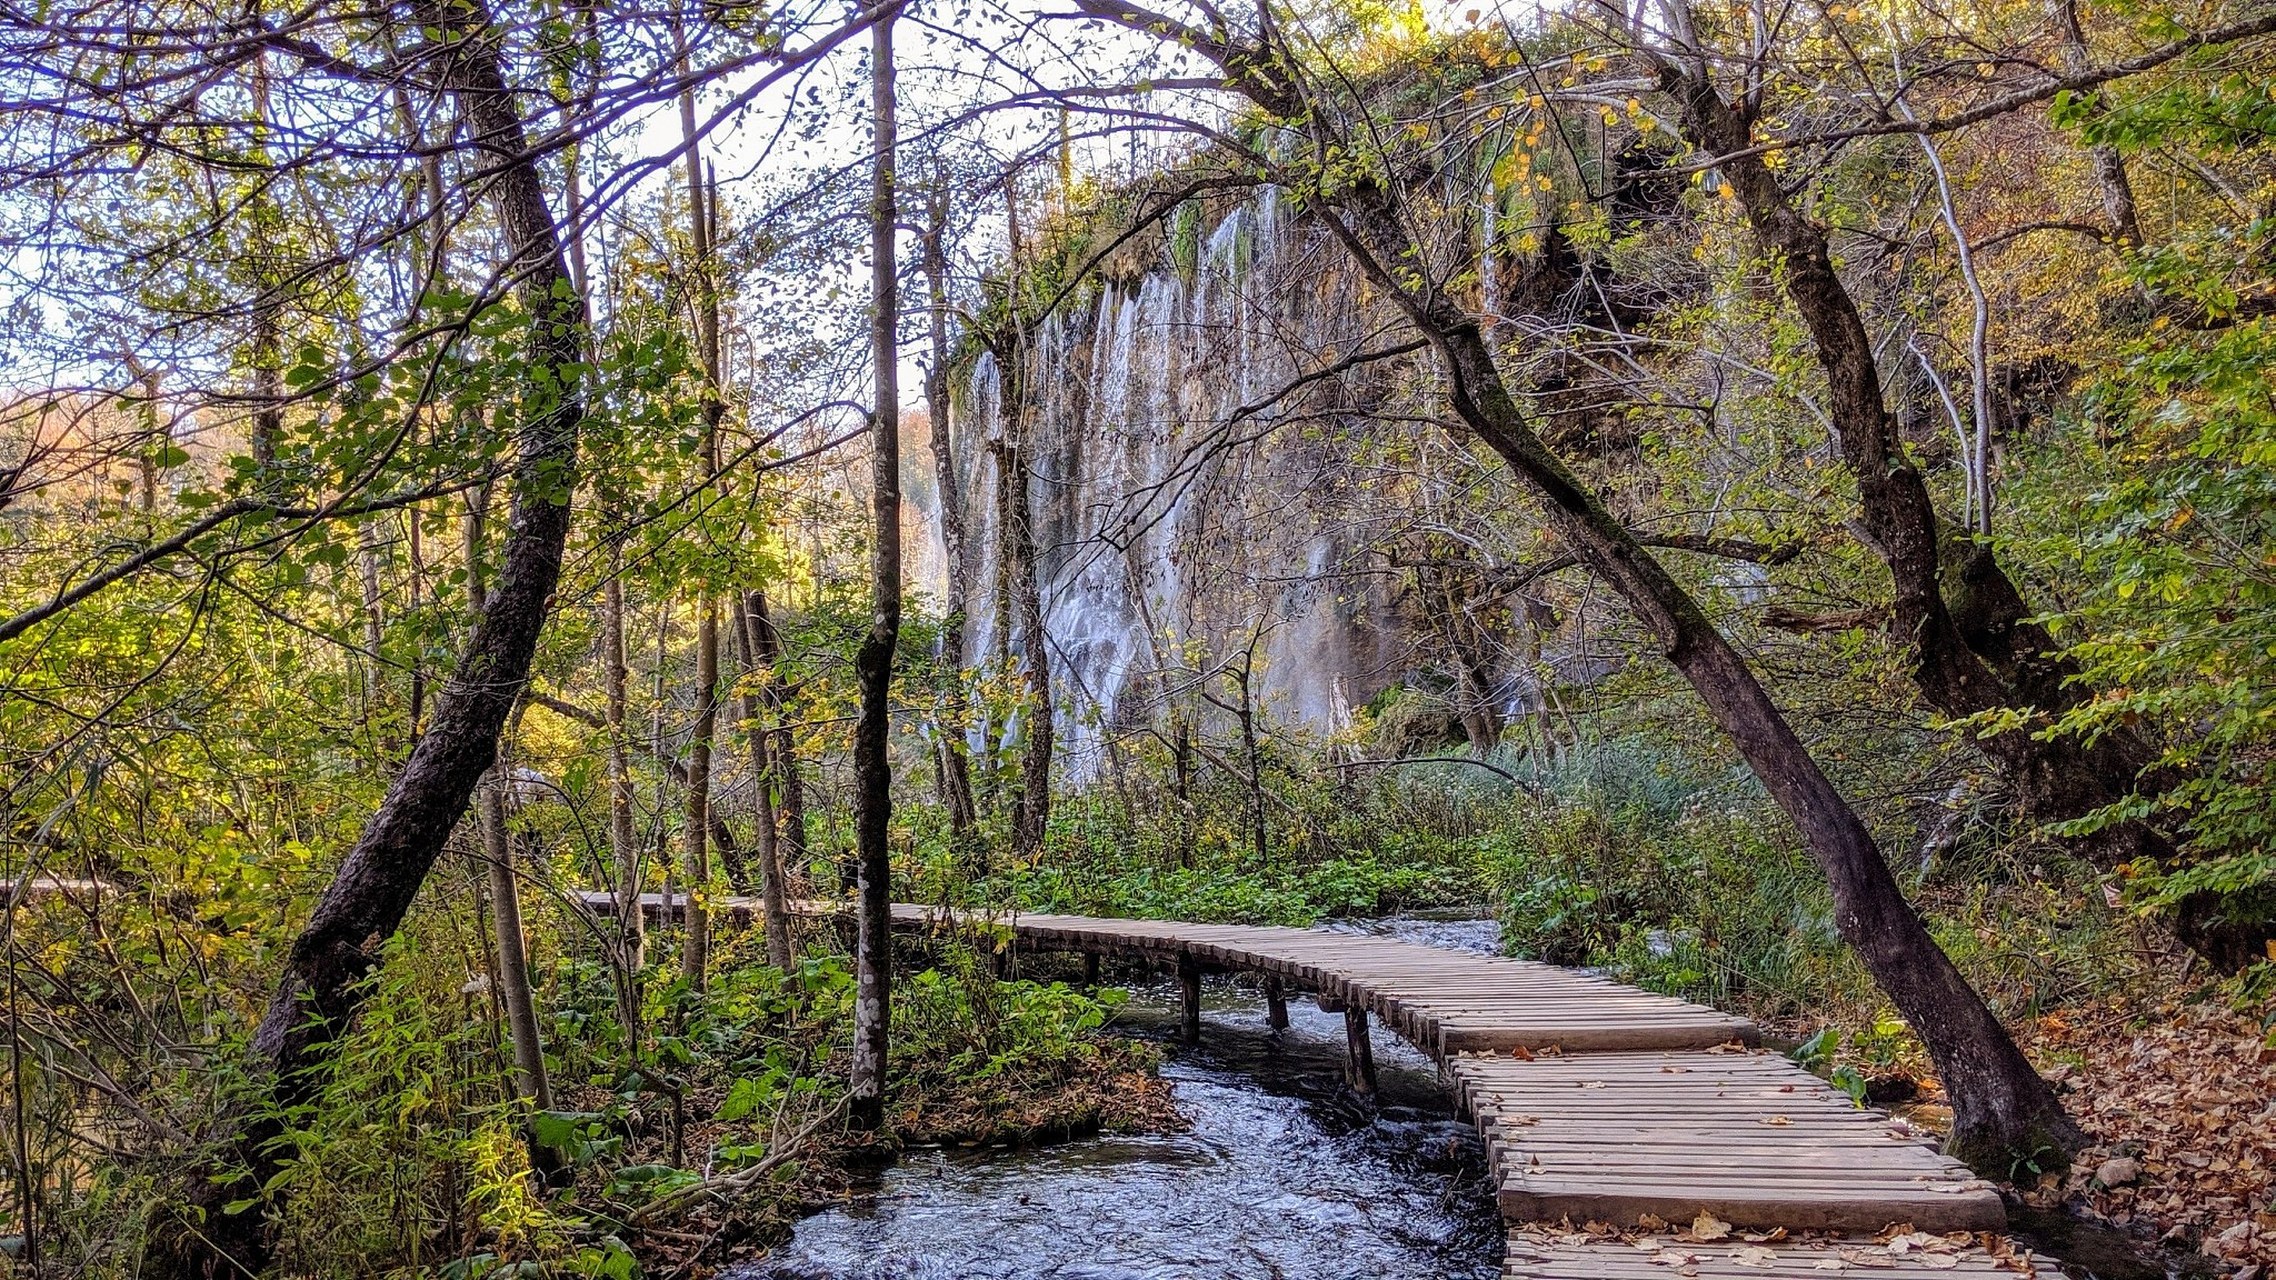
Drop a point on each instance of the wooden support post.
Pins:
(1359, 1061)
(1189, 986)
(1275, 1003)
(1090, 969)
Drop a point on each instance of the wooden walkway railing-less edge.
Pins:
(1598, 1102)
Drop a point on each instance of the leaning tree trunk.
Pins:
(873, 663)
(2001, 1108)
(1973, 646)
(322, 986)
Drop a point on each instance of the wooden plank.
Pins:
(1537, 1254)
(1749, 1138)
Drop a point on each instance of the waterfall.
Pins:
(1168, 534)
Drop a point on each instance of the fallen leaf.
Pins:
(1709, 1227)
(1911, 1242)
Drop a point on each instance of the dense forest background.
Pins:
(1774, 502)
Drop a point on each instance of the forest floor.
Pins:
(2180, 1099)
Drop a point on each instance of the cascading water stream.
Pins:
(1278, 1176)
(1162, 514)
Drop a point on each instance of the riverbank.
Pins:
(979, 1065)
(2178, 1097)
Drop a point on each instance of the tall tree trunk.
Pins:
(514, 993)
(782, 752)
(1968, 630)
(1181, 769)
(368, 552)
(514, 987)
(1252, 750)
(414, 554)
(695, 950)
(2109, 163)
(322, 984)
(695, 945)
(1021, 575)
(955, 767)
(624, 839)
(760, 698)
(873, 664)
(267, 353)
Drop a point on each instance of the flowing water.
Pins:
(1279, 1176)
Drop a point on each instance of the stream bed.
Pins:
(1279, 1176)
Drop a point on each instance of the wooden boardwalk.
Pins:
(1598, 1102)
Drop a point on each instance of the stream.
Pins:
(1279, 1176)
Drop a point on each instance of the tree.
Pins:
(955, 768)
(1977, 655)
(323, 980)
(762, 710)
(695, 947)
(873, 664)
(2002, 1109)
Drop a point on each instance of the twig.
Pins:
(728, 1184)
